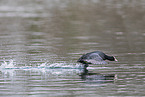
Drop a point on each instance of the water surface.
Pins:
(40, 42)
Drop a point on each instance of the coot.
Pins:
(96, 57)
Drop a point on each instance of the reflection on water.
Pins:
(36, 33)
(92, 77)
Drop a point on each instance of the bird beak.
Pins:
(116, 59)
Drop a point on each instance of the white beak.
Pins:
(115, 59)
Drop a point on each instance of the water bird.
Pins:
(96, 57)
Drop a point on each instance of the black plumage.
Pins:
(96, 57)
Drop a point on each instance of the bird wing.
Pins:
(95, 59)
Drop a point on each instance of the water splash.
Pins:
(11, 65)
(65, 66)
(55, 69)
(7, 65)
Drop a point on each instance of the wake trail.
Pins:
(11, 65)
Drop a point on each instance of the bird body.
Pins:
(96, 57)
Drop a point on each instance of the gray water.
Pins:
(41, 40)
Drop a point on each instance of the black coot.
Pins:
(95, 57)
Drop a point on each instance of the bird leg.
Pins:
(85, 65)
